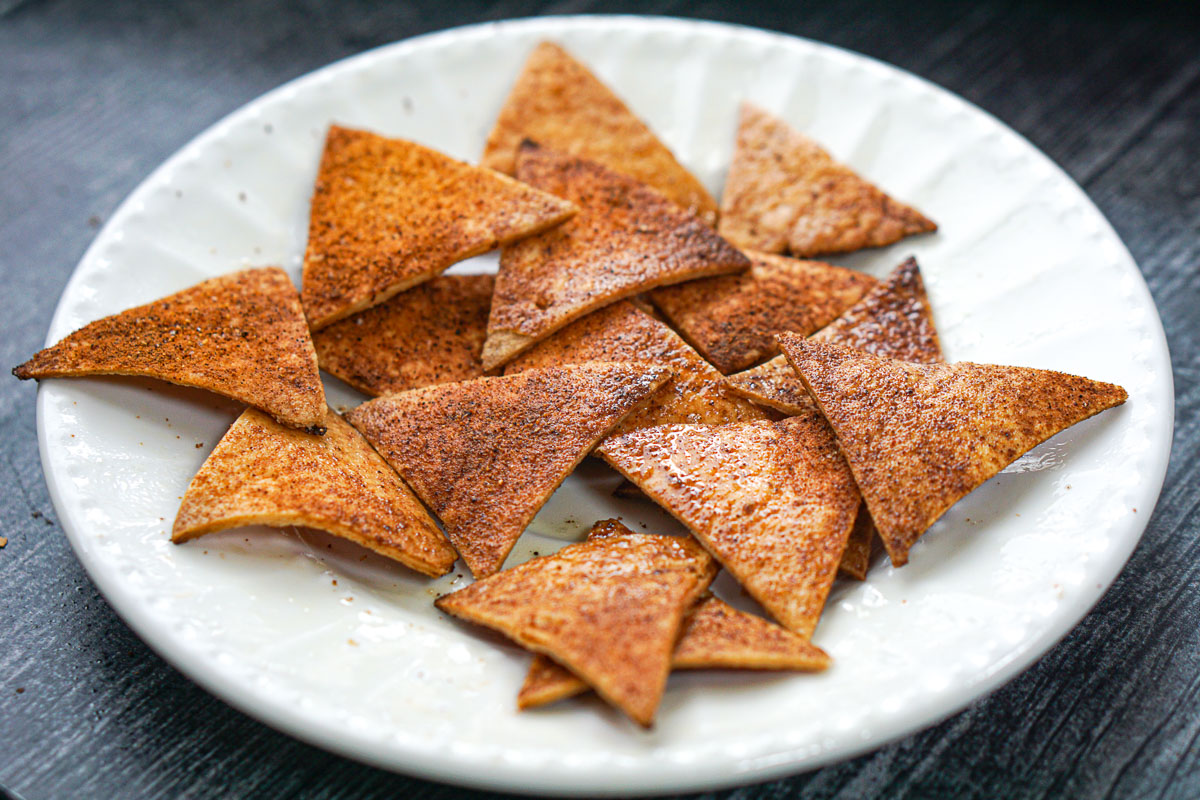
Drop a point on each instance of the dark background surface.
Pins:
(93, 96)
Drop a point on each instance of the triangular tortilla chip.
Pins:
(715, 636)
(732, 320)
(921, 436)
(785, 193)
(388, 214)
(432, 333)
(610, 609)
(856, 560)
(240, 335)
(486, 454)
(557, 102)
(626, 239)
(623, 332)
(893, 320)
(773, 501)
(262, 473)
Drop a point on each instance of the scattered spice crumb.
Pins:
(3, 542)
(20, 690)
(36, 515)
(199, 445)
(352, 643)
(335, 581)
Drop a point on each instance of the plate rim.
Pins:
(447, 768)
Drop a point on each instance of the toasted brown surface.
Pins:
(547, 682)
(241, 335)
(773, 501)
(921, 436)
(623, 332)
(732, 320)
(786, 193)
(262, 473)
(486, 454)
(893, 320)
(609, 609)
(715, 636)
(432, 333)
(857, 558)
(559, 103)
(388, 214)
(626, 239)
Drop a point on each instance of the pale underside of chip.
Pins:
(262, 473)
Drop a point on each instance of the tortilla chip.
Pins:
(773, 501)
(785, 193)
(486, 454)
(856, 560)
(388, 214)
(732, 320)
(240, 335)
(622, 332)
(557, 102)
(610, 609)
(921, 436)
(893, 320)
(715, 636)
(432, 333)
(626, 239)
(262, 473)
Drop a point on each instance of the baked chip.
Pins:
(715, 636)
(432, 333)
(785, 193)
(559, 103)
(773, 501)
(240, 335)
(388, 214)
(893, 320)
(486, 454)
(732, 320)
(626, 239)
(623, 332)
(262, 473)
(857, 558)
(919, 437)
(610, 609)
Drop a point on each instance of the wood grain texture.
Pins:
(94, 96)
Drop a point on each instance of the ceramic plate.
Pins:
(346, 651)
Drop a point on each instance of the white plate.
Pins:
(346, 651)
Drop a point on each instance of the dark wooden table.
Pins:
(94, 95)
